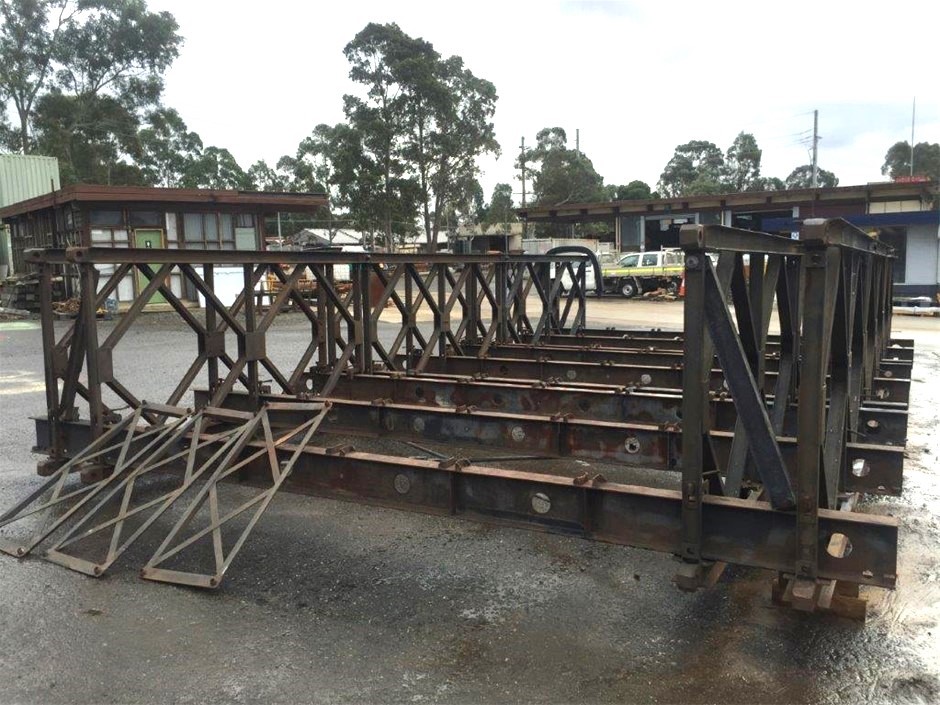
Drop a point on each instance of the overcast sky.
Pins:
(637, 78)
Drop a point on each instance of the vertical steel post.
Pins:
(323, 325)
(362, 311)
(254, 385)
(473, 305)
(694, 399)
(502, 305)
(89, 279)
(442, 313)
(409, 320)
(811, 415)
(332, 324)
(47, 320)
(208, 275)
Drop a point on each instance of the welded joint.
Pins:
(587, 479)
(253, 346)
(340, 449)
(212, 343)
(455, 463)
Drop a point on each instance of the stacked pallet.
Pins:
(21, 293)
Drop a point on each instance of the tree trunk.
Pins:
(24, 131)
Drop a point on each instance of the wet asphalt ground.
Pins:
(336, 602)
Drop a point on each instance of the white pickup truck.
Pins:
(637, 272)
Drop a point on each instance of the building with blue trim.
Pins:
(906, 215)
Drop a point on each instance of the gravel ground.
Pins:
(335, 602)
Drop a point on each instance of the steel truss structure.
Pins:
(768, 438)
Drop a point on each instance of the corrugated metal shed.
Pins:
(24, 176)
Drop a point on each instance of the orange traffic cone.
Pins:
(682, 287)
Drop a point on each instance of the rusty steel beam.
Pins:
(886, 425)
(633, 356)
(637, 376)
(110, 255)
(735, 531)
(636, 445)
(896, 352)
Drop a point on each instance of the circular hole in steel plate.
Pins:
(402, 483)
(632, 445)
(839, 546)
(541, 503)
(860, 467)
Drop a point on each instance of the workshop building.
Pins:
(86, 215)
(903, 214)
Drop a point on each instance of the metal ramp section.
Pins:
(147, 471)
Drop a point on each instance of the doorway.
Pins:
(151, 239)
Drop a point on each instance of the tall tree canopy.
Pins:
(500, 209)
(741, 171)
(559, 174)
(696, 168)
(802, 177)
(926, 160)
(216, 168)
(81, 75)
(423, 121)
(169, 151)
(634, 191)
(699, 168)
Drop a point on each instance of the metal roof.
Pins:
(24, 176)
(128, 195)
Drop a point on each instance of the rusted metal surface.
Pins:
(883, 424)
(489, 352)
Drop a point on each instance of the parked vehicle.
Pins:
(590, 283)
(638, 272)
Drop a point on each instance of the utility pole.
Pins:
(815, 148)
(522, 164)
(913, 111)
(525, 224)
(577, 141)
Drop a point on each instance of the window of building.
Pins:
(109, 237)
(106, 218)
(216, 231)
(145, 219)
